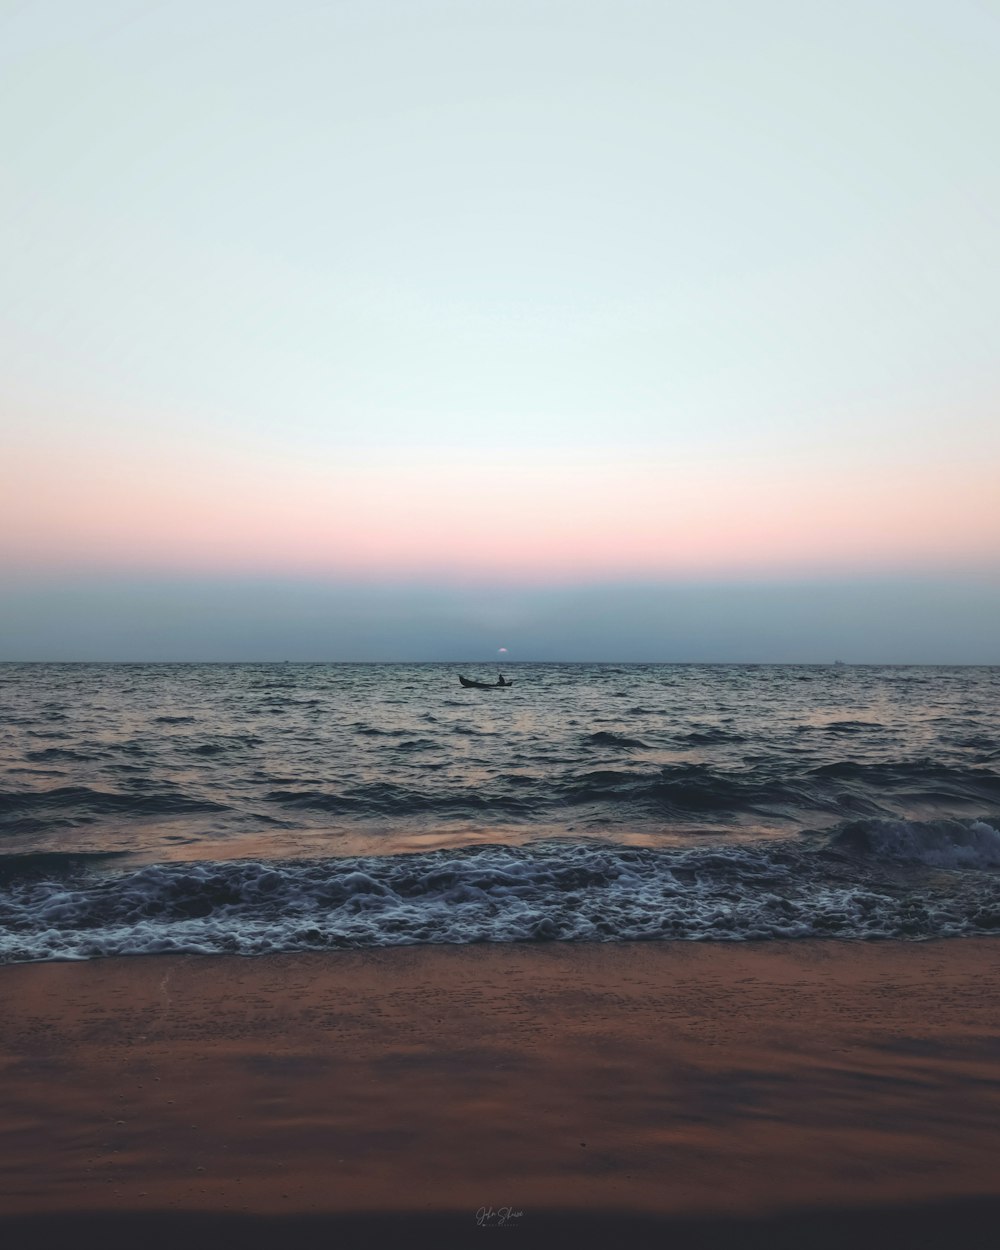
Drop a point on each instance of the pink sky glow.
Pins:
(554, 520)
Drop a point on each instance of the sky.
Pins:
(599, 329)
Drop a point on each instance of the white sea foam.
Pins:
(845, 886)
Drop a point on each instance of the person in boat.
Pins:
(500, 680)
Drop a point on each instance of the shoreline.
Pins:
(665, 1087)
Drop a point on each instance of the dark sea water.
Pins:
(254, 808)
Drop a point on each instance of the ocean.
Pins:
(255, 808)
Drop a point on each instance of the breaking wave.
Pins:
(867, 879)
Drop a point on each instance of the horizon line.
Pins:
(836, 663)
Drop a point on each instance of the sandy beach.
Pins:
(674, 1094)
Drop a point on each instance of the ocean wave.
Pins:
(52, 865)
(388, 799)
(317, 800)
(949, 844)
(604, 738)
(709, 737)
(548, 788)
(680, 789)
(384, 752)
(846, 885)
(911, 781)
(60, 754)
(910, 772)
(25, 809)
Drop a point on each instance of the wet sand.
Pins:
(669, 1094)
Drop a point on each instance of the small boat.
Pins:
(469, 684)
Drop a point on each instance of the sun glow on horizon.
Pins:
(553, 519)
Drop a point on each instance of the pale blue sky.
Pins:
(761, 221)
(247, 240)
